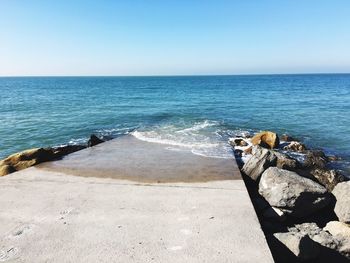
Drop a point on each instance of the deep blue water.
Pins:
(199, 112)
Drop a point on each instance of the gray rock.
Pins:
(328, 178)
(334, 236)
(342, 207)
(337, 228)
(316, 234)
(293, 194)
(285, 162)
(259, 162)
(301, 245)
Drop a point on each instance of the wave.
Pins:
(200, 138)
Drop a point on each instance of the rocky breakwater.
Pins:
(31, 157)
(303, 206)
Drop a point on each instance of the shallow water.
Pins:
(198, 113)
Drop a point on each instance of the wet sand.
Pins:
(131, 159)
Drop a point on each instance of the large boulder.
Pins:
(261, 160)
(266, 139)
(328, 178)
(342, 206)
(293, 194)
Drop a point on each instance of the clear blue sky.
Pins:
(163, 37)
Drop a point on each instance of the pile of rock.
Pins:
(28, 158)
(295, 198)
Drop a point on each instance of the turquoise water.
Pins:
(195, 112)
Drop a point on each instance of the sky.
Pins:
(179, 37)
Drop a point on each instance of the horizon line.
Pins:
(178, 75)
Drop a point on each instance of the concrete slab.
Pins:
(51, 216)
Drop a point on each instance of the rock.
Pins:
(259, 162)
(328, 178)
(64, 150)
(274, 214)
(315, 159)
(342, 206)
(266, 139)
(333, 158)
(94, 140)
(293, 194)
(295, 147)
(285, 162)
(248, 150)
(317, 234)
(238, 142)
(341, 233)
(28, 158)
(337, 228)
(6, 169)
(301, 245)
(287, 138)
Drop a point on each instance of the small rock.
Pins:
(94, 140)
(259, 162)
(295, 147)
(342, 206)
(293, 194)
(238, 142)
(301, 245)
(328, 178)
(333, 158)
(266, 139)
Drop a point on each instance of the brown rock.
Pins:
(295, 147)
(28, 158)
(266, 139)
(6, 169)
(328, 178)
(315, 159)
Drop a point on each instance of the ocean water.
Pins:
(195, 113)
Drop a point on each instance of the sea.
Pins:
(196, 113)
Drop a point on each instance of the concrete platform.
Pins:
(50, 215)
